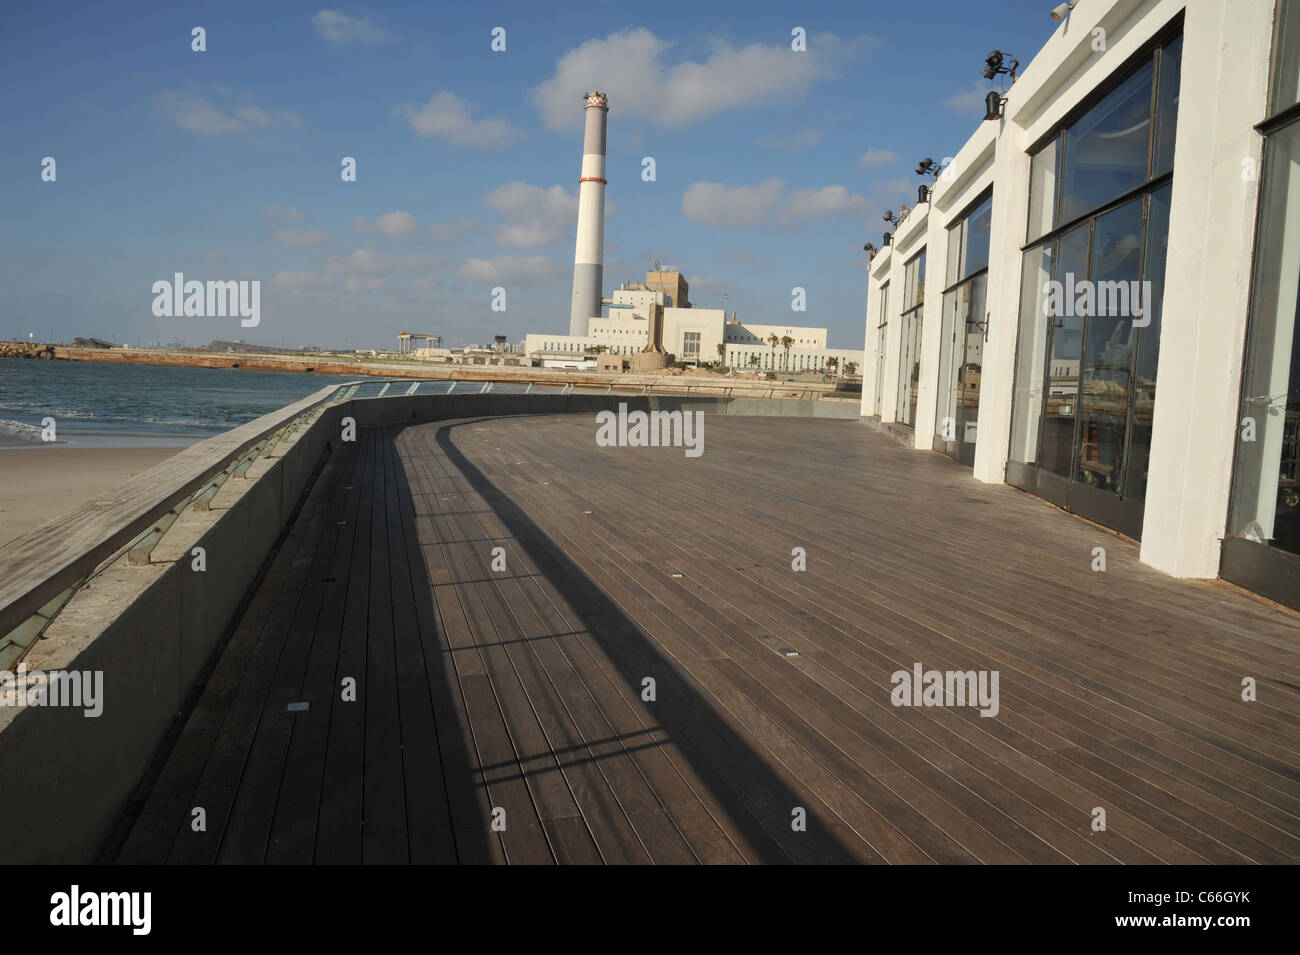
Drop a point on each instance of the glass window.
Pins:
(1108, 355)
(1266, 480)
(1106, 150)
(1171, 67)
(968, 242)
(975, 245)
(1042, 189)
(1031, 354)
(954, 253)
(1284, 84)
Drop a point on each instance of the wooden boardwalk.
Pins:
(522, 690)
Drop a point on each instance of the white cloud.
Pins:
(300, 280)
(824, 203)
(339, 29)
(878, 157)
(632, 67)
(392, 224)
(193, 112)
(303, 238)
(968, 101)
(364, 283)
(288, 213)
(713, 203)
(423, 283)
(536, 217)
(509, 268)
(370, 262)
(451, 230)
(213, 257)
(447, 116)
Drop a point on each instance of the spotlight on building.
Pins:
(993, 104)
(891, 218)
(928, 165)
(871, 250)
(1061, 11)
(995, 65)
(922, 194)
(888, 238)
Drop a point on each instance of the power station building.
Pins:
(1097, 303)
(691, 335)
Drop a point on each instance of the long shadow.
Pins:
(758, 800)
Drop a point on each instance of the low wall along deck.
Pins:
(152, 629)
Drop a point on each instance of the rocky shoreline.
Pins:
(27, 350)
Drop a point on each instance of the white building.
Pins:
(1148, 141)
(694, 335)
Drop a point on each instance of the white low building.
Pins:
(697, 335)
(1149, 141)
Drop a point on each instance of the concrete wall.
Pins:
(66, 779)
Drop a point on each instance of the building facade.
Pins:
(1097, 304)
(699, 335)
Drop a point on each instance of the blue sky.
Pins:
(773, 167)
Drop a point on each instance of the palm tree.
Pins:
(773, 341)
(754, 359)
(722, 352)
(787, 341)
(833, 364)
(850, 367)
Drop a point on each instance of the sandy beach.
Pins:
(39, 484)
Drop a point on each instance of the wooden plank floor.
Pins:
(518, 693)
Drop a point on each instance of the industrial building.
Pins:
(688, 334)
(1150, 144)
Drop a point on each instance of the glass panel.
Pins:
(975, 247)
(1171, 66)
(880, 367)
(970, 316)
(954, 252)
(1031, 353)
(1266, 485)
(909, 367)
(1144, 386)
(1065, 336)
(1108, 352)
(1285, 81)
(920, 278)
(1042, 190)
(909, 285)
(945, 417)
(1106, 149)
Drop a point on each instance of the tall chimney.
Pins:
(589, 253)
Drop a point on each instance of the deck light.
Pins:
(922, 194)
(993, 104)
(995, 64)
(928, 165)
(889, 238)
(1061, 11)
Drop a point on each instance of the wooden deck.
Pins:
(523, 690)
